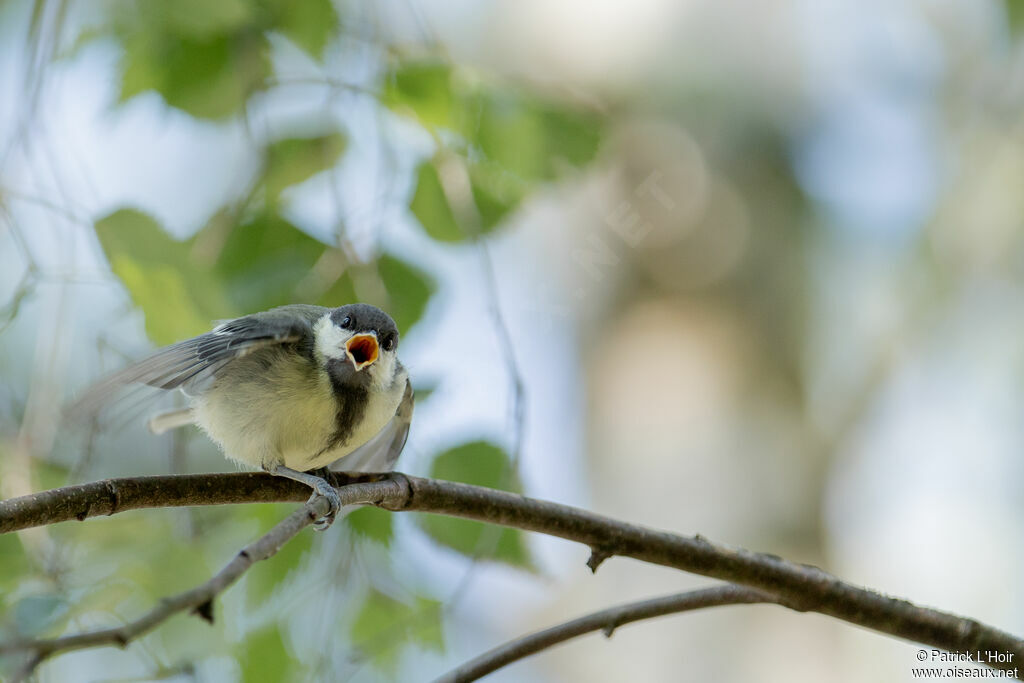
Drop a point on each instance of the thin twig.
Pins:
(509, 352)
(799, 586)
(64, 211)
(511, 475)
(457, 187)
(606, 621)
(326, 81)
(198, 599)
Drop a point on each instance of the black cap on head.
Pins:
(367, 318)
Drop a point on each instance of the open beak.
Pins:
(362, 350)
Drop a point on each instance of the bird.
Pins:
(289, 390)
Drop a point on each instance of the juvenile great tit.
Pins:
(287, 390)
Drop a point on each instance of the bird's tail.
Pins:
(158, 424)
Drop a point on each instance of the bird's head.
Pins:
(358, 344)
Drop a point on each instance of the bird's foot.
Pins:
(325, 490)
(321, 489)
(327, 475)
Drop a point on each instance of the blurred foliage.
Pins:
(229, 269)
(264, 577)
(1014, 16)
(178, 297)
(382, 620)
(482, 464)
(13, 561)
(408, 290)
(740, 257)
(430, 206)
(372, 523)
(208, 58)
(528, 136)
(293, 160)
(506, 141)
(421, 89)
(36, 614)
(265, 657)
(495, 143)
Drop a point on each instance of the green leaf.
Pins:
(382, 621)
(428, 629)
(265, 657)
(430, 206)
(496, 193)
(477, 462)
(310, 24)
(178, 298)
(478, 541)
(509, 133)
(409, 289)
(263, 261)
(293, 160)
(209, 77)
(482, 464)
(422, 89)
(132, 232)
(526, 135)
(1014, 16)
(167, 567)
(531, 138)
(514, 141)
(372, 523)
(161, 291)
(405, 293)
(571, 137)
(196, 18)
(266, 577)
(342, 291)
(13, 561)
(207, 58)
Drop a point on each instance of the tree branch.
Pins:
(800, 587)
(606, 621)
(198, 599)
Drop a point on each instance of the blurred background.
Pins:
(744, 269)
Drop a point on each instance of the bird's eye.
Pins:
(346, 322)
(389, 343)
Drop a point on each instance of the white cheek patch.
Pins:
(330, 339)
(384, 372)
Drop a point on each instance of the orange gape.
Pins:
(363, 349)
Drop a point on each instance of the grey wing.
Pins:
(380, 453)
(192, 363)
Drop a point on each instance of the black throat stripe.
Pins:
(352, 400)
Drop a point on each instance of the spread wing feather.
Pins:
(190, 364)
